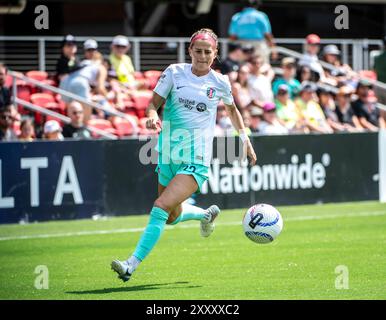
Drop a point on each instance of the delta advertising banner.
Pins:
(50, 180)
(77, 179)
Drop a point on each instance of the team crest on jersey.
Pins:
(210, 92)
(201, 107)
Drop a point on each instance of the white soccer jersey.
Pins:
(189, 117)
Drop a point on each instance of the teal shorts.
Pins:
(166, 172)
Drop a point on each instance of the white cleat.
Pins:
(207, 224)
(123, 268)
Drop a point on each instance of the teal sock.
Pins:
(190, 212)
(152, 233)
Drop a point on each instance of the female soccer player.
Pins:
(191, 93)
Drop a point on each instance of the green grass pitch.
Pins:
(299, 264)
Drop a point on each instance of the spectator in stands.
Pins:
(90, 47)
(248, 50)
(327, 103)
(310, 111)
(221, 112)
(68, 62)
(27, 131)
(252, 25)
(310, 58)
(52, 130)
(121, 62)
(365, 108)
(224, 126)
(6, 122)
(289, 71)
(343, 72)
(79, 83)
(380, 70)
(287, 111)
(245, 114)
(259, 82)
(76, 128)
(271, 124)
(5, 93)
(232, 62)
(345, 112)
(304, 73)
(240, 88)
(255, 120)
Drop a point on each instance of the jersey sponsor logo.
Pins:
(201, 107)
(179, 87)
(187, 103)
(210, 93)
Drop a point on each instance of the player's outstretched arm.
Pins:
(151, 112)
(238, 124)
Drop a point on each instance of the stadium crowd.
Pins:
(301, 96)
(295, 97)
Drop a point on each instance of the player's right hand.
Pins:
(153, 123)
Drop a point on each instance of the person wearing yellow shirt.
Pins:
(121, 62)
(310, 110)
(287, 112)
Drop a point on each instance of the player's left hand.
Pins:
(249, 152)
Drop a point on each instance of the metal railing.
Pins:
(24, 53)
(61, 117)
(27, 104)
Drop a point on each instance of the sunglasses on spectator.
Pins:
(77, 112)
(120, 47)
(5, 117)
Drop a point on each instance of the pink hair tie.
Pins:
(204, 36)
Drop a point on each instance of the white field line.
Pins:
(189, 225)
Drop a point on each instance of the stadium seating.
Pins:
(152, 77)
(124, 127)
(37, 75)
(55, 106)
(41, 100)
(101, 124)
(139, 75)
(23, 93)
(141, 100)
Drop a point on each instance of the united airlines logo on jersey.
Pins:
(189, 104)
(210, 92)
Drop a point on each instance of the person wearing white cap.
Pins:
(121, 62)
(343, 72)
(52, 130)
(90, 47)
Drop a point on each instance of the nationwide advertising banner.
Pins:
(77, 179)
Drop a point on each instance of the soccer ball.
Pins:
(262, 223)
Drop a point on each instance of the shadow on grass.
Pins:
(153, 286)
